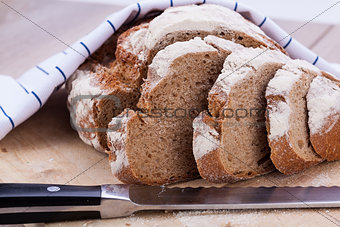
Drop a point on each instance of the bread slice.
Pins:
(231, 144)
(183, 23)
(121, 78)
(323, 102)
(287, 117)
(100, 91)
(158, 142)
(155, 89)
(153, 151)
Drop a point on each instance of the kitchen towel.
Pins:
(21, 98)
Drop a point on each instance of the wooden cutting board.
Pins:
(45, 149)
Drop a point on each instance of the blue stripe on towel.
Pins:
(87, 49)
(204, 1)
(61, 71)
(316, 60)
(64, 52)
(37, 97)
(137, 15)
(290, 40)
(171, 3)
(264, 20)
(23, 87)
(9, 118)
(235, 8)
(42, 70)
(113, 27)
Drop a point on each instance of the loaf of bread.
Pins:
(199, 90)
(179, 79)
(231, 144)
(117, 82)
(323, 102)
(287, 117)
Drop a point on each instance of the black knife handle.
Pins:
(34, 203)
(30, 195)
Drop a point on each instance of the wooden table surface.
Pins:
(45, 149)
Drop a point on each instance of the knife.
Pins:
(35, 203)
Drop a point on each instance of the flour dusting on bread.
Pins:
(206, 138)
(205, 17)
(117, 140)
(282, 83)
(279, 120)
(80, 106)
(279, 114)
(136, 43)
(323, 103)
(165, 57)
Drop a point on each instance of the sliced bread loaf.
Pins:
(135, 51)
(232, 145)
(158, 142)
(287, 117)
(323, 102)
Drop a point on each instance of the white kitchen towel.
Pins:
(21, 98)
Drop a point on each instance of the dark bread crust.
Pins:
(268, 42)
(286, 160)
(211, 168)
(327, 143)
(125, 175)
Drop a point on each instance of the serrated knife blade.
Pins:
(32, 203)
